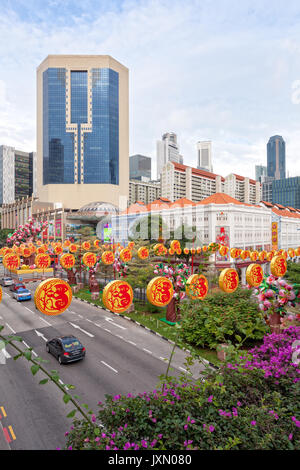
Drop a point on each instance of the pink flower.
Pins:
(253, 423)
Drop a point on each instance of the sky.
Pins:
(221, 70)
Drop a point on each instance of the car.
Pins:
(66, 349)
(22, 294)
(16, 286)
(6, 281)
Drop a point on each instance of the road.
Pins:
(121, 357)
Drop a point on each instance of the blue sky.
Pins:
(223, 70)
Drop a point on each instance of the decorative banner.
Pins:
(89, 259)
(278, 266)
(254, 275)
(160, 291)
(254, 255)
(197, 286)
(58, 250)
(67, 261)
(175, 245)
(42, 260)
(262, 255)
(11, 261)
(117, 296)
(53, 296)
(86, 246)
(291, 252)
(274, 235)
(108, 257)
(125, 255)
(229, 280)
(143, 252)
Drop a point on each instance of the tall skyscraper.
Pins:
(167, 150)
(17, 174)
(140, 167)
(204, 156)
(82, 130)
(287, 192)
(276, 157)
(260, 172)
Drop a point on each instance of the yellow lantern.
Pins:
(278, 266)
(117, 296)
(160, 291)
(197, 286)
(53, 296)
(229, 280)
(254, 275)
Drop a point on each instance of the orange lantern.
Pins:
(175, 245)
(40, 250)
(244, 254)
(107, 257)
(89, 259)
(73, 248)
(297, 251)
(143, 252)
(97, 243)
(26, 252)
(171, 252)
(229, 280)
(160, 291)
(117, 296)
(42, 260)
(186, 251)
(53, 296)
(67, 243)
(131, 245)
(179, 251)
(254, 275)
(291, 252)
(269, 255)
(11, 261)
(254, 255)
(223, 250)
(67, 261)
(193, 251)
(197, 286)
(262, 255)
(58, 250)
(85, 246)
(278, 266)
(198, 250)
(204, 248)
(125, 255)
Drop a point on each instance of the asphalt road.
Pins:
(121, 357)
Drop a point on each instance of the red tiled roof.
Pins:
(285, 213)
(266, 203)
(222, 198)
(197, 171)
(182, 202)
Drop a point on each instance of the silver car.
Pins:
(6, 281)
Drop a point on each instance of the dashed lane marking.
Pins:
(3, 411)
(107, 365)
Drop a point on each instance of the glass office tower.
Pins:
(83, 130)
(287, 192)
(276, 157)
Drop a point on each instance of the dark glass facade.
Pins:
(100, 146)
(287, 192)
(276, 157)
(140, 166)
(23, 174)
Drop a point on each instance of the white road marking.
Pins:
(115, 324)
(119, 336)
(28, 309)
(10, 328)
(106, 329)
(5, 353)
(147, 350)
(131, 342)
(81, 329)
(107, 365)
(162, 358)
(45, 321)
(41, 335)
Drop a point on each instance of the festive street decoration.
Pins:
(262, 255)
(160, 291)
(89, 259)
(97, 243)
(73, 248)
(291, 252)
(108, 257)
(67, 261)
(125, 255)
(85, 246)
(229, 280)
(58, 250)
(175, 245)
(223, 250)
(53, 296)
(117, 296)
(254, 275)
(244, 254)
(143, 252)
(26, 252)
(197, 286)
(11, 261)
(40, 250)
(254, 255)
(42, 261)
(278, 266)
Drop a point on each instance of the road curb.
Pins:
(214, 366)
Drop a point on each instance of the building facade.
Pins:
(204, 156)
(260, 172)
(139, 167)
(17, 174)
(287, 192)
(276, 157)
(167, 150)
(82, 130)
(242, 188)
(144, 191)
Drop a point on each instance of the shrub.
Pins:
(222, 318)
(237, 407)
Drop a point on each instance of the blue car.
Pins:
(22, 294)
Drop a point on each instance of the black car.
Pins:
(66, 349)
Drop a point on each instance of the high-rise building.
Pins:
(139, 167)
(204, 156)
(260, 172)
(17, 174)
(287, 192)
(143, 191)
(82, 130)
(167, 150)
(276, 157)
(266, 187)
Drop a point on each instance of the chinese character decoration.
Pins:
(254, 275)
(197, 286)
(73, 248)
(229, 280)
(125, 255)
(160, 291)
(108, 257)
(11, 261)
(117, 296)
(53, 296)
(86, 246)
(58, 250)
(89, 259)
(278, 266)
(26, 252)
(42, 261)
(143, 252)
(67, 261)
